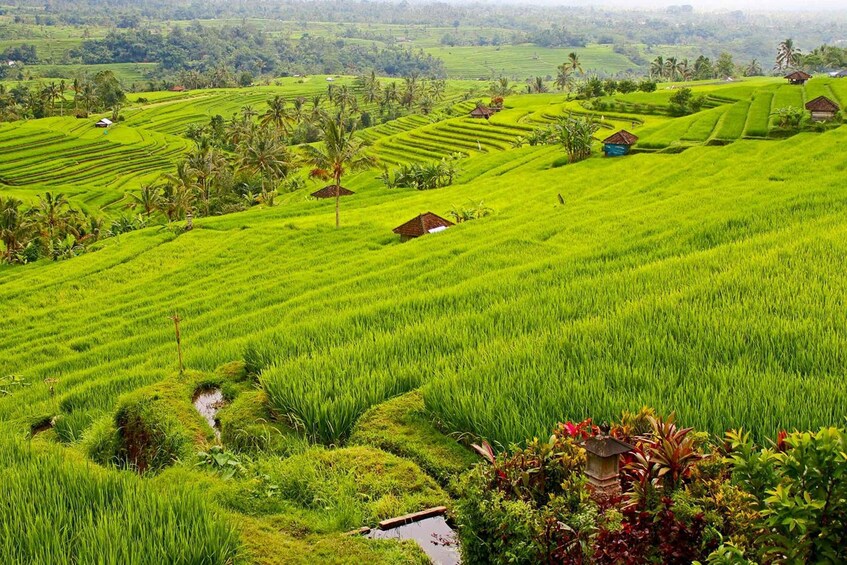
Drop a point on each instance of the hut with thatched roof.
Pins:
(798, 77)
(482, 112)
(619, 143)
(823, 109)
(422, 225)
(331, 191)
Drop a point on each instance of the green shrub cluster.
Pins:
(682, 499)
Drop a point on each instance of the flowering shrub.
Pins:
(684, 499)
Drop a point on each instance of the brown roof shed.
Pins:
(422, 225)
(331, 191)
(822, 104)
(622, 137)
(798, 77)
(482, 112)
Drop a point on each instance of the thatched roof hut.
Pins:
(422, 225)
(482, 112)
(331, 191)
(798, 77)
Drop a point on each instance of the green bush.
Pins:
(530, 506)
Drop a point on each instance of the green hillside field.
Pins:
(706, 282)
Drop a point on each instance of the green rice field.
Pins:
(706, 282)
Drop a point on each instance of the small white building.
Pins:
(104, 123)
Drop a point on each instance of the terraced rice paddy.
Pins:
(706, 282)
(524, 61)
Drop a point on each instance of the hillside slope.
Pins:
(678, 281)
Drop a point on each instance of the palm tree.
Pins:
(410, 90)
(178, 195)
(437, 89)
(564, 78)
(263, 154)
(277, 114)
(573, 62)
(537, 86)
(298, 112)
(248, 113)
(390, 94)
(671, 68)
(63, 87)
(51, 94)
(340, 151)
(787, 55)
(502, 88)
(15, 227)
(754, 69)
(52, 212)
(684, 69)
(149, 198)
(371, 87)
(205, 163)
(657, 68)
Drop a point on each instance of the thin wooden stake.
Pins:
(176, 319)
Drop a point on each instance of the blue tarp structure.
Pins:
(612, 150)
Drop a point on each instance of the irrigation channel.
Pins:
(208, 402)
(429, 529)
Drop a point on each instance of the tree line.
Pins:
(244, 48)
(88, 93)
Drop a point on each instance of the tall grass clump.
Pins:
(57, 511)
(325, 400)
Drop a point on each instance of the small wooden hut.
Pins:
(823, 109)
(422, 225)
(619, 143)
(798, 77)
(104, 123)
(331, 191)
(177, 88)
(482, 112)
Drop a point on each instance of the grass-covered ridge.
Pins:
(705, 282)
(676, 281)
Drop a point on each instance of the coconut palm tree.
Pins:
(370, 87)
(437, 89)
(52, 212)
(205, 162)
(149, 198)
(537, 86)
(263, 154)
(787, 55)
(63, 88)
(754, 69)
(277, 114)
(178, 197)
(574, 63)
(340, 152)
(657, 68)
(16, 228)
(564, 77)
(411, 88)
(501, 88)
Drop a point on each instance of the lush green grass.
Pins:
(58, 511)
(706, 283)
(524, 61)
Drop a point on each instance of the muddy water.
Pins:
(207, 403)
(434, 536)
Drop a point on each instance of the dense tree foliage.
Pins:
(246, 49)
